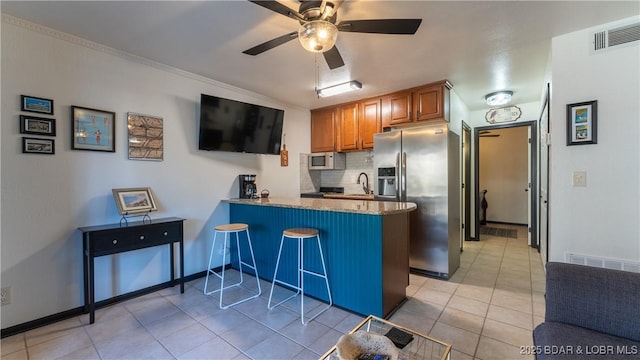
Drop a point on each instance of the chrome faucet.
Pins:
(365, 185)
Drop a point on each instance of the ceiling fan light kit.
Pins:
(499, 98)
(318, 35)
(339, 89)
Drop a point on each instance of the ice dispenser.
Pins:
(387, 182)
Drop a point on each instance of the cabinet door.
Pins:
(430, 103)
(323, 130)
(348, 128)
(369, 121)
(399, 108)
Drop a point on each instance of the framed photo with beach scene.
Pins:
(38, 146)
(37, 125)
(35, 104)
(134, 200)
(93, 129)
(582, 121)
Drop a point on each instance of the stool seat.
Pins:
(231, 227)
(228, 229)
(299, 235)
(301, 232)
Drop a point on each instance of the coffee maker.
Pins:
(248, 187)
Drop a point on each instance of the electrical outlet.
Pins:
(579, 178)
(353, 179)
(6, 295)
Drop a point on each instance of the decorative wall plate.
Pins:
(504, 114)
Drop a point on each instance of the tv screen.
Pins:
(235, 126)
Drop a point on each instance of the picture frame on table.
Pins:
(134, 200)
(38, 146)
(37, 125)
(36, 104)
(93, 129)
(582, 123)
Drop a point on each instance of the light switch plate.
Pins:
(579, 178)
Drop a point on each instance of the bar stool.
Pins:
(300, 234)
(226, 229)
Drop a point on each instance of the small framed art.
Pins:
(145, 137)
(37, 125)
(38, 146)
(93, 129)
(34, 104)
(582, 123)
(134, 200)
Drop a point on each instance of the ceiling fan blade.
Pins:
(333, 58)
(259, 49)
(279, 8)
(381, 26)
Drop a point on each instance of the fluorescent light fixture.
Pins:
(498, 98)
(339, 89)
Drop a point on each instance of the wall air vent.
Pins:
(602, 262)
(614, 37)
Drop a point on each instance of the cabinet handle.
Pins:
(141, 237)
(114, 241)
(166, 233)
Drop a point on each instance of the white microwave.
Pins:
(327, 161)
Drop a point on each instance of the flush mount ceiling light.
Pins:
(339, 89)
(318, 36)
(498, 98)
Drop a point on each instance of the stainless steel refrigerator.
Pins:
(422, 165)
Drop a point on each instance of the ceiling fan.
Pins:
(318, 30)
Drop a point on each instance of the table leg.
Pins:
(181, 265)
(92, 300)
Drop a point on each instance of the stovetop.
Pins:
(323, 190)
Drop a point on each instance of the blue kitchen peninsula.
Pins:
(365, 244)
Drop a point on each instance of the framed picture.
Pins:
(34, 104)
(93, 129)
(37, 125)
(145, 137)
(582, 123)
(134, 200)
(38, 146)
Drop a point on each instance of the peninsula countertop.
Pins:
(339, 205)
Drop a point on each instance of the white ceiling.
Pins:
(479, 46)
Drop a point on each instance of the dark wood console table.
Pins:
(111, 239)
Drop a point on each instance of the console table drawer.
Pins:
(127, 238)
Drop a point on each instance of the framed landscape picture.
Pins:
(93, 129)
(37, 125)
(134, 200)
(38, 146)
(35, 104)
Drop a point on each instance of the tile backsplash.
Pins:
(357, 162)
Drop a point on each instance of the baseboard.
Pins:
(50, 319)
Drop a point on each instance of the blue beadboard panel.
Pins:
(352, 246)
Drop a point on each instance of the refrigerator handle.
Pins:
(404, 177)
(398, 177)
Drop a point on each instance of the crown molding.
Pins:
(12, 20)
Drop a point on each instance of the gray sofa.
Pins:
(591, 313)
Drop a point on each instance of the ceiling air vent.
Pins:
(606, 39)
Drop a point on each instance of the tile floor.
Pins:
(487, 310)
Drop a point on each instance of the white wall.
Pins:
(46, 197)
(601, 219)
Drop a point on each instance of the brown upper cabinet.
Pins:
(323, 130)
(351, 126)
(423, 103)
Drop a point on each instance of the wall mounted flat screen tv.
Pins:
(235, 126)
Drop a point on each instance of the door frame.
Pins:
(533, 172)
(466, 182)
